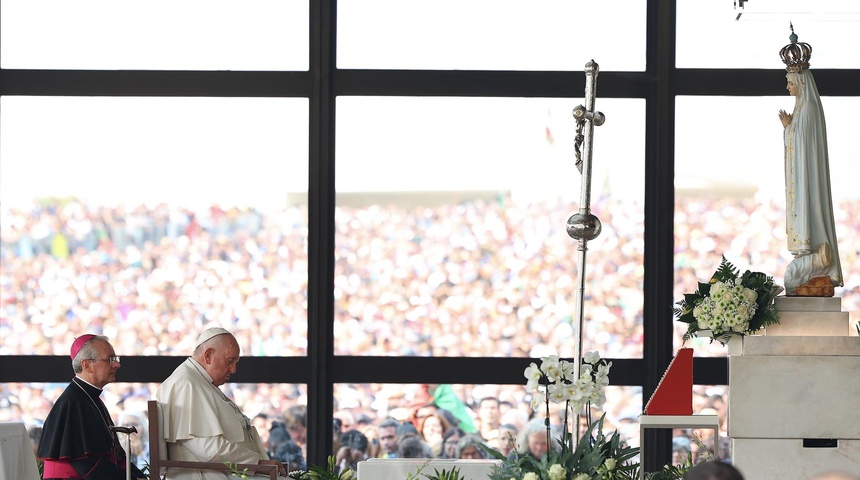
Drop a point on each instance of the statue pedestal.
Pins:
(793, 394)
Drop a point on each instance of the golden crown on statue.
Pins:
(796, 54)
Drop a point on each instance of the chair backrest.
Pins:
(159, 461)
(157, 445)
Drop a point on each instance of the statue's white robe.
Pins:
(809, 206)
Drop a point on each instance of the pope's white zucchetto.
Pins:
(210, 333)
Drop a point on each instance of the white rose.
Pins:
(557, 472)
(610, 464)
(750, 295)
(531, 476)
(717, 289)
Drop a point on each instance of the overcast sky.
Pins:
(239, 150)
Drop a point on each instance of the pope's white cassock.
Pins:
(201, 424)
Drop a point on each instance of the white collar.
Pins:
(202, 370)
(88, 383)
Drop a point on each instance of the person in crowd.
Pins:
(78, 440)
(347, 420)
(387, 433)
(471, 446)
(278, 435)
(532, 439)
(35, 434)
(365, 425)
(516, 418)
(405, 429)
(295, 419)
(507, 440)
(139, 451)
(432, 427)
(200, 422)
(489, 417)
(353, 449)
(335, 435)
(449, 442)
(290, 454)
(413, 446)
(713, 470)
(263, 425)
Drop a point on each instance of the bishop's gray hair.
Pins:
(87, 352)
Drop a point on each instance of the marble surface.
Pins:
(808, 304)
(768, 459)
(808, 324)
(794, 396)
(821, 346)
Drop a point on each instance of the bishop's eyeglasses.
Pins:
(109, 359)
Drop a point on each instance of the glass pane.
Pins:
(155, 34)
(730, 196)
(491, 35)
(497, 414)
(699, 443)
(137, 217)
(460, 248)
(127, 403)
(710, 34)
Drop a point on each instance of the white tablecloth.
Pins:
(17, 460)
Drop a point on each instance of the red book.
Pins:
(674, 393)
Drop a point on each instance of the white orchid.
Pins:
(591, 357)
(551, 367)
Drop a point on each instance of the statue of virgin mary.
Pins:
(809, 206)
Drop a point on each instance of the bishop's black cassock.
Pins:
(77, 441)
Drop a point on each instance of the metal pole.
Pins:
(583, 226)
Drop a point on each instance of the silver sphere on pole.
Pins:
(583, 226)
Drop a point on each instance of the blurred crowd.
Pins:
(477, 278)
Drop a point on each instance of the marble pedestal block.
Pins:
(793, 398)
(810, 316)
(787, 458)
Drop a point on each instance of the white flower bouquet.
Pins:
(730, 303)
